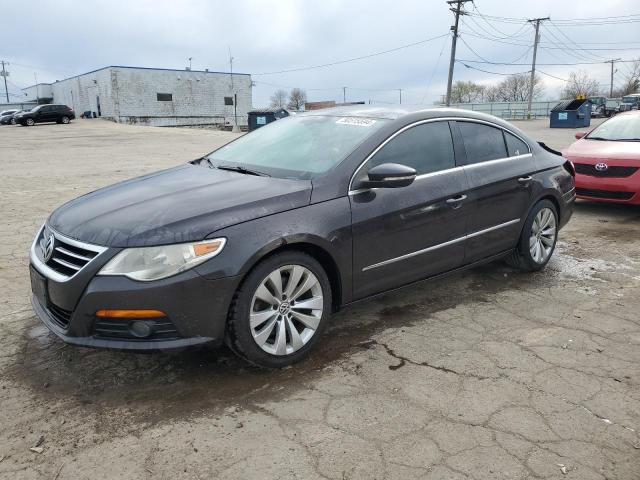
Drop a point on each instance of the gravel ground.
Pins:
(488, 374)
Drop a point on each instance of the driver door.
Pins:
(405, 234)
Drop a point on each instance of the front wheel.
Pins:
(538, 238)
(280, 310)
(30, 122)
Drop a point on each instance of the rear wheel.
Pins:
(65, 119)
(279, 310)
(538, 238)
(13, 121)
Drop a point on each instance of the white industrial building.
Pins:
(152, 96)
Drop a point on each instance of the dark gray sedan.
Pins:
(258, 242)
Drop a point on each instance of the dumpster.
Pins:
(259, 118)
(571, 114)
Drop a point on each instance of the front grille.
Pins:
(116, 329)
(68, 256)
(59, 315)
(609, 194)
(619, 172)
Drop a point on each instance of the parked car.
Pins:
(6, 116)
(258, 242)
(602, 107)
(607, 160)
(46, 113)
(630, 102)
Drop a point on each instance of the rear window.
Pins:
(482, 142)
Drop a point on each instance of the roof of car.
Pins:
(417, 113)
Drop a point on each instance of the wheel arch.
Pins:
(310, 247)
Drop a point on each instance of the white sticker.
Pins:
(358, 121)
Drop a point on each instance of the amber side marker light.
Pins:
(130, 313)
(208, 247)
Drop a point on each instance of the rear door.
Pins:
(46, 114)
(499, 168)
(401, 235)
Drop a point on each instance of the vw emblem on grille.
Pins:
(46, 246)
(602, 167)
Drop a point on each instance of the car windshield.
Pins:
(298, 146)
(620, 128)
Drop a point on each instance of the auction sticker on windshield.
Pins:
(360, 122)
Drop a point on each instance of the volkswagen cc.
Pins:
(258, 242)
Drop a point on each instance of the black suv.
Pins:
(46, 113)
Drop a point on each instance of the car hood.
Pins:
(182, 204)
(590, 151)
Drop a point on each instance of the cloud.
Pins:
(70, 37)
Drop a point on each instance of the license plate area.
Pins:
(39, 286)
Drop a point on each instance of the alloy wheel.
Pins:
(286, 310)
(543, 235)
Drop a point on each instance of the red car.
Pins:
(607, 160)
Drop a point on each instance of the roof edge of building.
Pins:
(137, 68)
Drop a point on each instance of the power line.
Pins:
(548, 64)
(492, 73)
(339, 62)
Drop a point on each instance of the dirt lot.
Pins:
(490, 374)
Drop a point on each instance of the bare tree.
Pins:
(466, 92)
(515, 88)
(631, 80)
(297, 99)
(580, 83)
(279, 98)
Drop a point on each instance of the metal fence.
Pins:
(513, 110)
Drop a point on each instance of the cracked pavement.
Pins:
(487, 374)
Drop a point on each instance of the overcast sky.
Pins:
(62, 38)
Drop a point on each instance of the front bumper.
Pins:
(195, 307)
(609, 189)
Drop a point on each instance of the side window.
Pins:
(515, 146)
(482, 142)
(427, 148)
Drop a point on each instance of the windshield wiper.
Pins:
(239, 169)
(597, 138)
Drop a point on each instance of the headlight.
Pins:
(153, 263)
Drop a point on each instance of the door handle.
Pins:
(455, 202)
(525, 181)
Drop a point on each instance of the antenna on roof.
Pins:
(230, 67)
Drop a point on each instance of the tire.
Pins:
(13, 121)
(29, 122)
(65, 120)
(524, 256)
(261, 343)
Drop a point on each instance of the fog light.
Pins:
(141, 329)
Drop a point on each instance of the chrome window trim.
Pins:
(48, 272)
(439, 172)
(441, 245)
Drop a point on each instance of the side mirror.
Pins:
(579, 135)
(389, 175)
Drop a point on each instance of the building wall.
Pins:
(129, 95)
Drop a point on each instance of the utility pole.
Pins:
(457, 10)
(533, 63)
(344, 94)
(190, 58)
(612, 72)
(5, 74)
(400, 92)
(35, 77)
